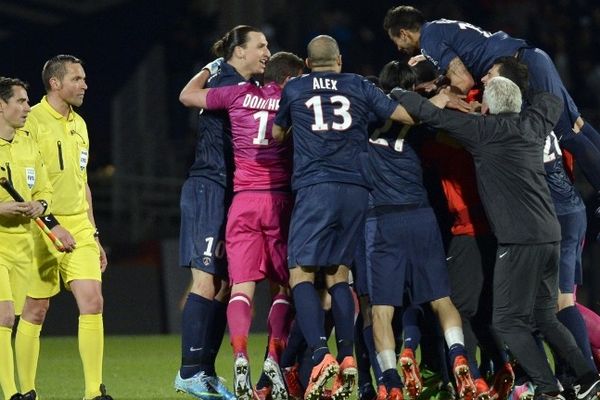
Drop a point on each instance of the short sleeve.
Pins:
(283, 117)
(220, 98)
(435, 44)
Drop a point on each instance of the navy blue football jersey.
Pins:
(565, 197)
(443, 40)
(394, 166)
(329, 116)
(214, 152)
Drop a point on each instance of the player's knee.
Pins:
(35, 310)
(205, 285)
(97, 305)
(382, 314)
(7, 319)
(442, 306)
(92, 305)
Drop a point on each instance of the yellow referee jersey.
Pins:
(64, 145)
(22, 164)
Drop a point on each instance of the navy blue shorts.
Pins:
(572, 230)
(405, 251)
(202, 232)
(359, 266)
(326, 222)
(543, 76)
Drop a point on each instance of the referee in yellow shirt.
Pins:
(62, 137)
(22, 165)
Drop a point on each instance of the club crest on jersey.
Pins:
(83, 158)
(206, 261)
(30, 175)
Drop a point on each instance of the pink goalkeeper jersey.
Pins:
(261, 163)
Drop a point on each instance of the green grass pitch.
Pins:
(135, 367)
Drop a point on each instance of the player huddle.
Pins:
(303, 178)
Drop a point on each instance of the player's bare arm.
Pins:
(194, 94)
(401, 115)
(280, 133)
(103, 259)
(459, 75)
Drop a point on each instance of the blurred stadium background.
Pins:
(140, 53)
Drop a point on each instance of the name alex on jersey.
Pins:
(324, 83)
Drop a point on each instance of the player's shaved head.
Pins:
(323, 51)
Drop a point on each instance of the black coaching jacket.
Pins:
(508, 153)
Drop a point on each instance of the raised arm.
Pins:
(194, 94)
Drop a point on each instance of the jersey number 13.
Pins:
(315, 103)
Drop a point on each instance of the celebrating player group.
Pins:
(327, 184)
(431, 208)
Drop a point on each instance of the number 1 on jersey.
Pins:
(263, 118)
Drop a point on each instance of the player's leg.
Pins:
(289, 361)
(239, 316)
(310, 317)
(465, 272)
(88, 294)
(27, 340)
(481, 323)
(516, 283)
(366, 356)
(409, 367)
(350, 225)
(571, 246)
(44, 282)
(366, 390)
(387, 269)
(7, 320)
(276, 225)
(557, 336)
(278, 323)
(16, 261)
(275, 222)
(81, 272)
(244, 246)
(385, 344)
(430, 283)
(202, 250)
(343, 311)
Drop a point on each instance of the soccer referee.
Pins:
(62, 137)
(22, 165)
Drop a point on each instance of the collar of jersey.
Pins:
(16, 138)
(55, 113)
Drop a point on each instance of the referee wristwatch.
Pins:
(96, 234)
(44, 204)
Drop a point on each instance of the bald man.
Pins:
(328, 111)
